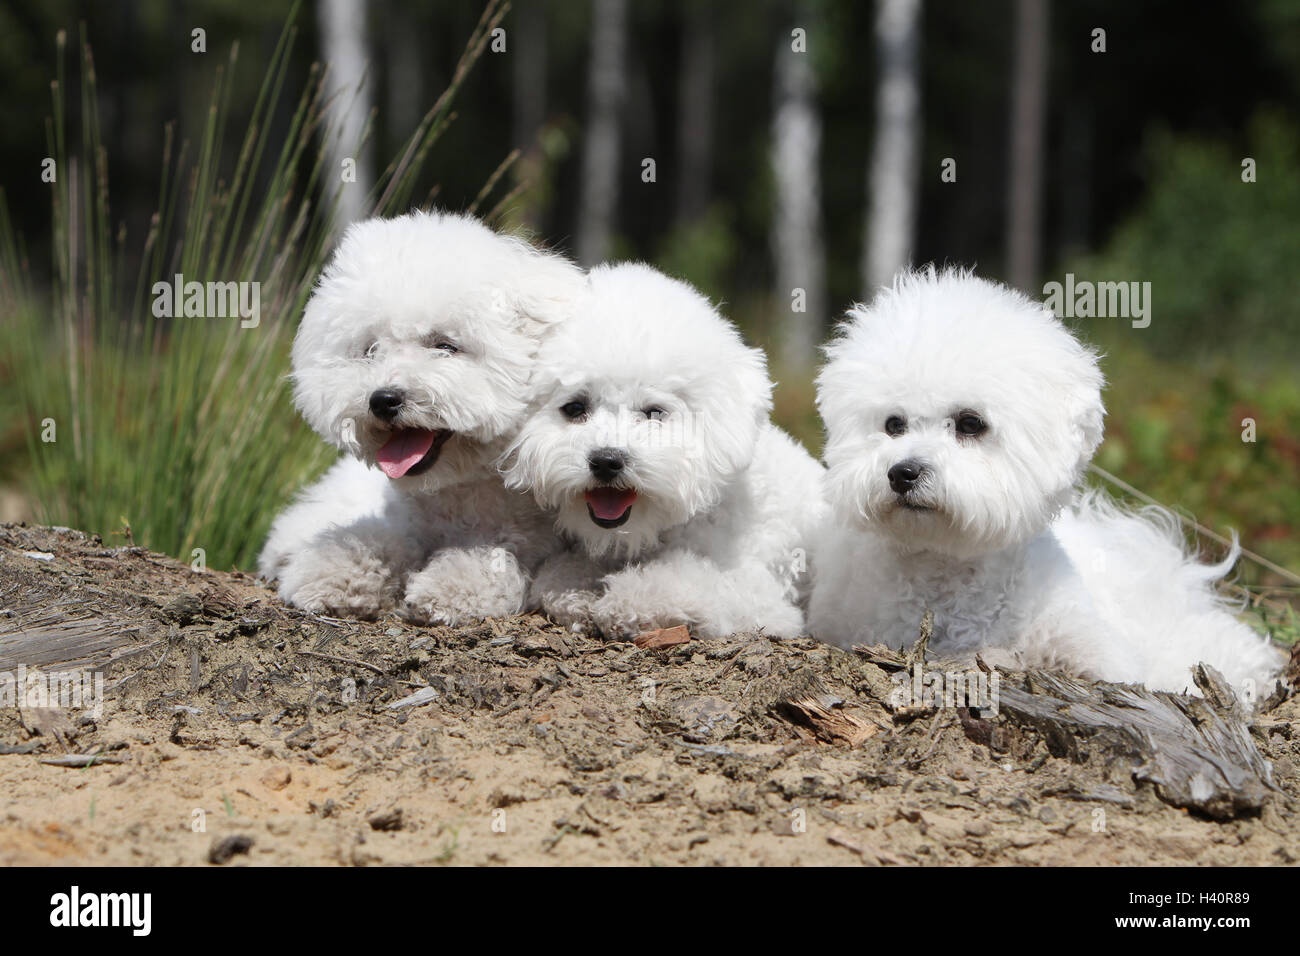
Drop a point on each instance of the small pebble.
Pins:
(222, 850)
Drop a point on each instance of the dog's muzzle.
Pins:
(606, 464)
(906, 479)
(607, 505)
(385, 403)
(905, 475)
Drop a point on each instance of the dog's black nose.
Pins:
(606, 463)
(385, 402)
(905, 474)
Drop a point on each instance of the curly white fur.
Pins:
(700, 513)
(445, 315)
(987, 410)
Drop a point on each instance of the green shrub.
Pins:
(1220, 253)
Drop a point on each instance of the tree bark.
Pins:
(797, 230)
(1028, 105)
(606, 92)
(528, 46)
(695, 114)
(404, 70)
(343, 38)
(892, 182)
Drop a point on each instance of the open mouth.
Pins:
(411, 451)
(610, 507)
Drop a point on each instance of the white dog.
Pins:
(960, 416)
(415, 355)
(651, 445)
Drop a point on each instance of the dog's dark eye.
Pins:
(655, 413)
(895, 426)
(445, 346)
(371, 350)
(970, 425)
(574, 410)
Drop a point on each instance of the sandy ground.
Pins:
(240, 731)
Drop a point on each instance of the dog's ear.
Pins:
(737, 405)
(546, 290)
(1082, 384)
(1088, 423)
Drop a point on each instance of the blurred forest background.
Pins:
(794, 146)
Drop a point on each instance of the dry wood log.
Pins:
(883, 657)
(828, 719)
(70, 644)
(1197, 755)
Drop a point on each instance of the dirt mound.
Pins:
(237, 730)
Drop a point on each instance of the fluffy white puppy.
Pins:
(960, 416)
(415, 356)
(651, 445)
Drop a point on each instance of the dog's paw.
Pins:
(571, 609)
(333, 584)
(604, 611)
(463, 585)
(616, 617)
(337, 599)
(779, 619)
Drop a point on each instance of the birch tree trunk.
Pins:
(606, 92)
(892, 182)
(404, 66)
(343, 39)
(1028, 105)
(797, 229)
(695, 114)
(528, 46)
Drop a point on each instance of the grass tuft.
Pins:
(181, 429)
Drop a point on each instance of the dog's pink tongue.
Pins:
(608, 504)
(403, 450)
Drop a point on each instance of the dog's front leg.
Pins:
(463, 585)
(353, 571)
(682, 588)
